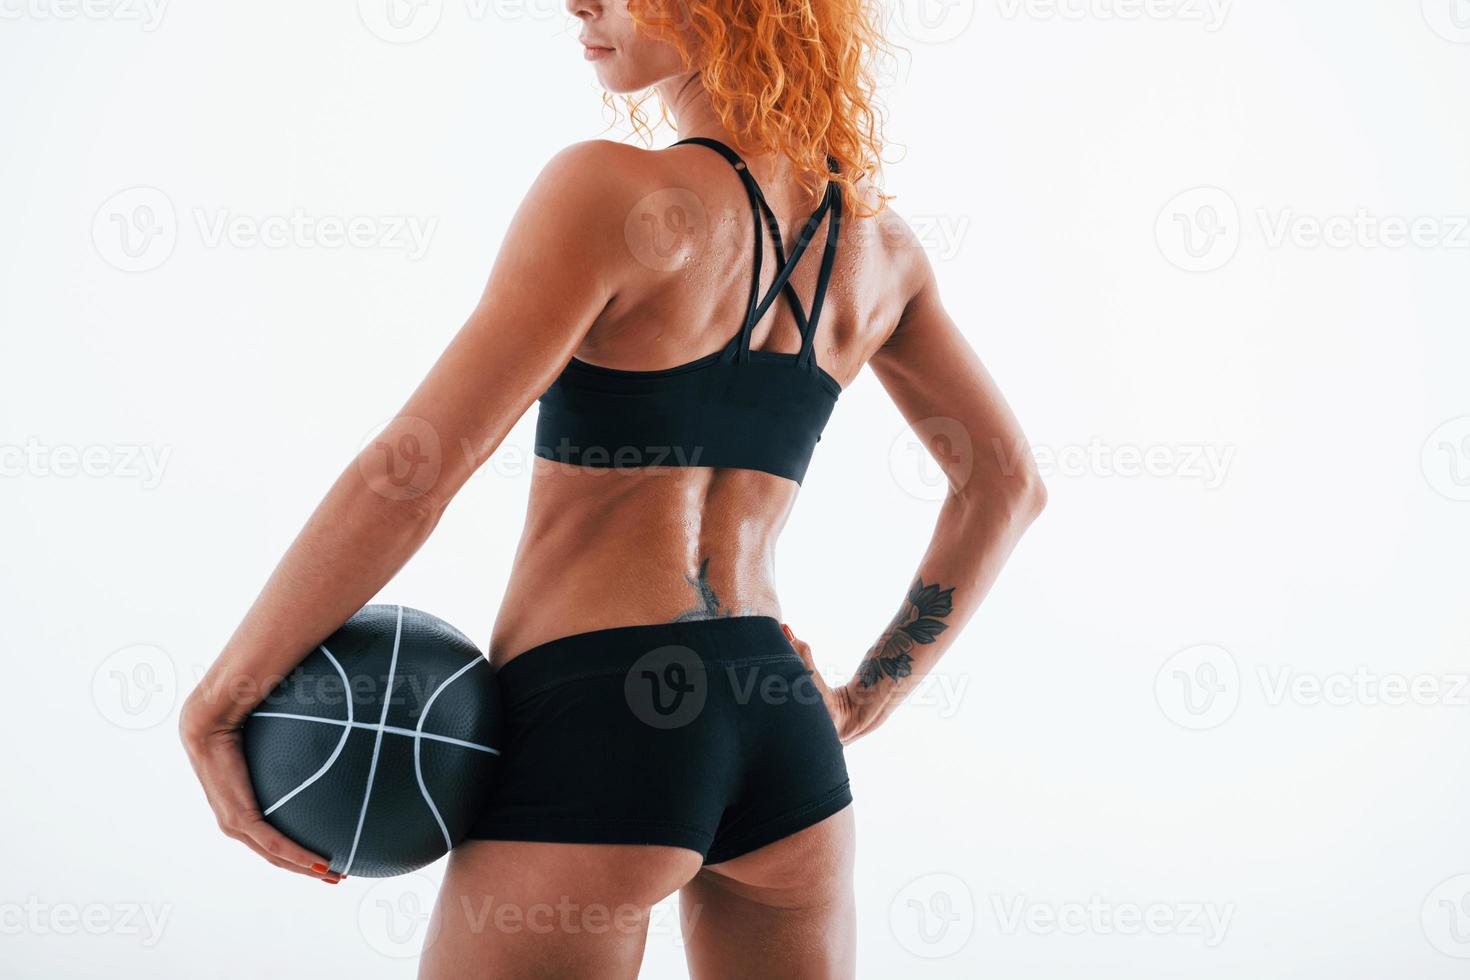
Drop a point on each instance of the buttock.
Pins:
(709, 735)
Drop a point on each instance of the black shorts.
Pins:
(709, 735)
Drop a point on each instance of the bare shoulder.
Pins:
(602, 175)
(908, 273)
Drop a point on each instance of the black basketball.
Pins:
(379, 750)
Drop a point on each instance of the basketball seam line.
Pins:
(346, 732)
(367, 793)
(418, 768)
(387, 729)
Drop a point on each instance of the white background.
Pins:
(1134, 726)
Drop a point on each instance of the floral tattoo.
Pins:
(917, 622)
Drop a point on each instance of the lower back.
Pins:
(606, 547)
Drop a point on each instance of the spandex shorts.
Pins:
(708, 735)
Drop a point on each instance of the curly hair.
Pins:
(795, 77)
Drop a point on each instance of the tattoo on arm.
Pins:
(919, 621)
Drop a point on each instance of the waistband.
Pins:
(695, 644)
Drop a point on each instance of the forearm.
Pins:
(353, 543)
(972, 539)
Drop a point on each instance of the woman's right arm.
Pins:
(562, 259)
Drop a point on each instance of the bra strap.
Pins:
(754, 311)
(752, 191)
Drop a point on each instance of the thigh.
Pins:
(783, 911)
(517, 910)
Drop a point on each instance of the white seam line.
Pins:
(367, 793)
(418, 768)
(387, 730)
(346, 731)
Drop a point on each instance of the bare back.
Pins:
(614, 547)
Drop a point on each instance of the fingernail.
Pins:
(320, 869)
(330, 881)
(789, 635)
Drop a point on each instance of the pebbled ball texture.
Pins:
(380, 749)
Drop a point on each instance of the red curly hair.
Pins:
(790, 76)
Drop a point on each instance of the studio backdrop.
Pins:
(1212, 721)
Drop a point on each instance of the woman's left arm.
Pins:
(557, 269)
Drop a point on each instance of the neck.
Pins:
(689, 104)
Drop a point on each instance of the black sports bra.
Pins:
(739, 408)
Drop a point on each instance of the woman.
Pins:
(672, 436)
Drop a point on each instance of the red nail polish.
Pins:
(789, 635)
(320, 869)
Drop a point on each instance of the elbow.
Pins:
(1016, 498)
(1025, 497)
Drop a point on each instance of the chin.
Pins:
(619, 81)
